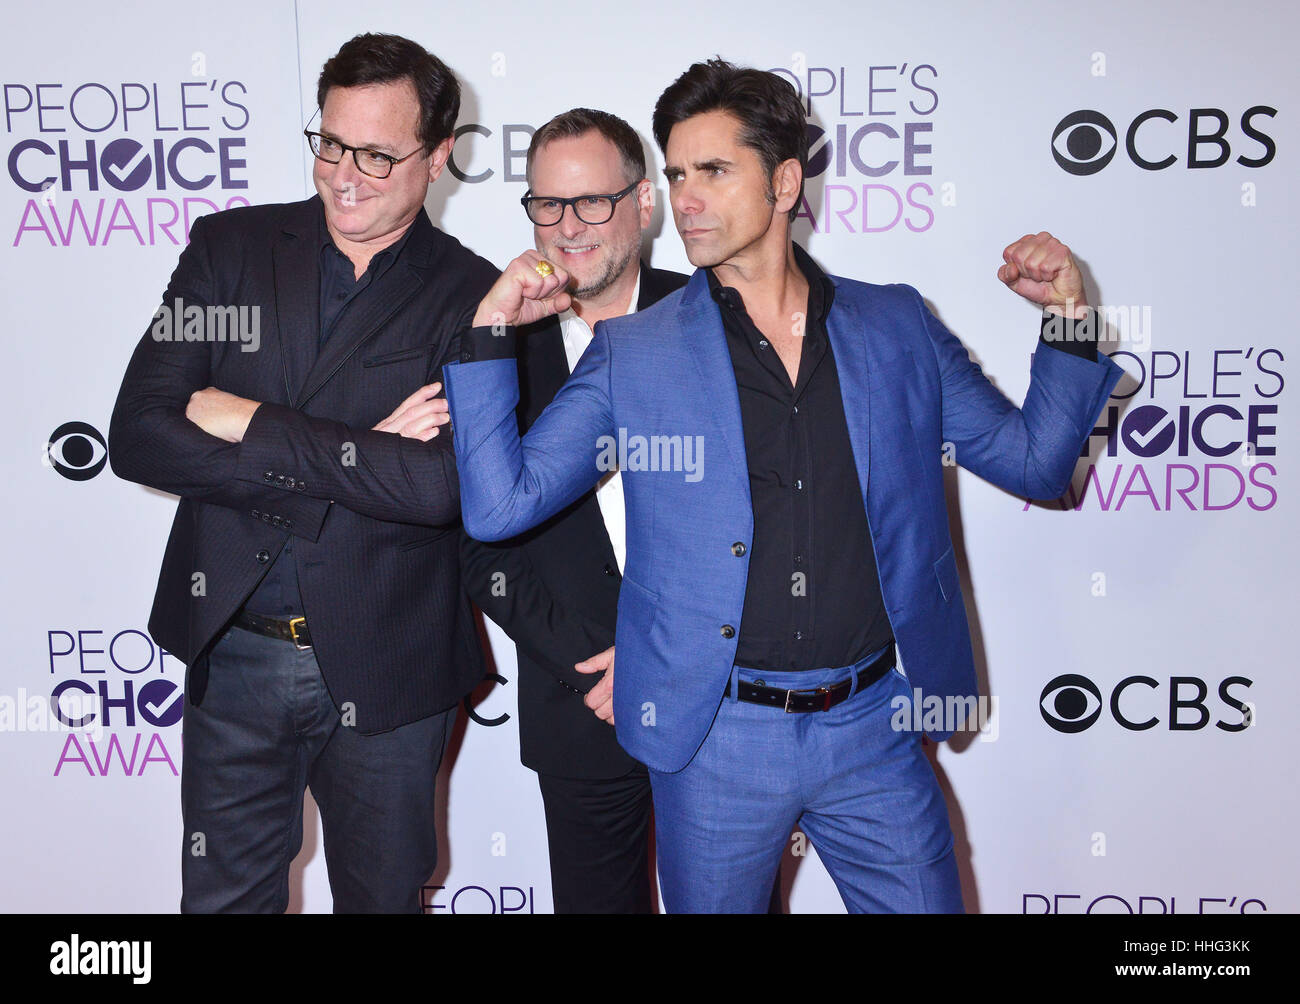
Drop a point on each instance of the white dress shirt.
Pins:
(609, 490)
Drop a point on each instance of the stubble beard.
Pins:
(613, 270)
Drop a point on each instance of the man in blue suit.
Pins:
(781, 434)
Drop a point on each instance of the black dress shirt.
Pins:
(277, 595)
(812, 597)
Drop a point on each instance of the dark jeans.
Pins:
(266, 730)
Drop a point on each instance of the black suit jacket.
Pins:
(554, 590)
(376, 515)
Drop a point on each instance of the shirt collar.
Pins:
(821, 291)
(381, 260)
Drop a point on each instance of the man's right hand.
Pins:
(600, 698)
(521, 295)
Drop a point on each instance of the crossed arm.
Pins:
(172, 430)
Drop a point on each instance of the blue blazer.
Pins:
(908, 387)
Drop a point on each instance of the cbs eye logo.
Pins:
(1084, 142)
(1070, 703)
(76, 450)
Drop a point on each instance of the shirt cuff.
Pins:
(488, 341)
(1078, 338)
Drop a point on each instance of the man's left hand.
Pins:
(1040, 268)
(600, 698)
(419, 416)
(220, 414)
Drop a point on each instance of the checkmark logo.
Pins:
(161, 702)
(1146, 433)
(126, 164)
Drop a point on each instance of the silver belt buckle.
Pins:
(826, 699)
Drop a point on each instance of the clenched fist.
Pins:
(522, 295)
(1040, 268)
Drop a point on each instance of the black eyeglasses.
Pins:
(593, 210)
(369, 162)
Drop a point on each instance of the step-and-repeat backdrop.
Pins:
(1136, 749)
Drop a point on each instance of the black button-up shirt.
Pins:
(812, 597)
(338, 283)
(278, 595)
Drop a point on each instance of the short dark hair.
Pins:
(580, 121)
(771, 116)
(382, 59)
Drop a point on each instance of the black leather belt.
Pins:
(820, 698)
(294, 630)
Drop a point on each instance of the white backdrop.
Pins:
(1166, 581)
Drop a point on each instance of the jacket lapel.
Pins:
(366, 318)
(296, 266)
(651, 290)
(849, 328)
(706, 343)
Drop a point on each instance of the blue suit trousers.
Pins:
(860, 789)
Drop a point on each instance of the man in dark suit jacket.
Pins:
(311, 580)
(555, 589)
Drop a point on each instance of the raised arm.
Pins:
(1030, 451)
(509, 485)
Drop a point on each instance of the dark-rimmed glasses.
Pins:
(593, 210)
(371, 163)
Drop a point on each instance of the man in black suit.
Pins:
(311, 581)
(555, 589)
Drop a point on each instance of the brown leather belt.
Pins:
(819, 698)
(293, 630)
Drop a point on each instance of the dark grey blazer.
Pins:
(376, 515)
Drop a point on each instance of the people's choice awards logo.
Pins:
(123, 162)
(871, 150)
(1203, 439)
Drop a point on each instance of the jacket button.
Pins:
(728, 631)
(255, 514)
(275, 520)
(263, 556)
(302, 486)
(266, 517)
(288, 524)
(738, 549)
(290, 483)
(268, 476)
(279, 481)
(608, 570)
